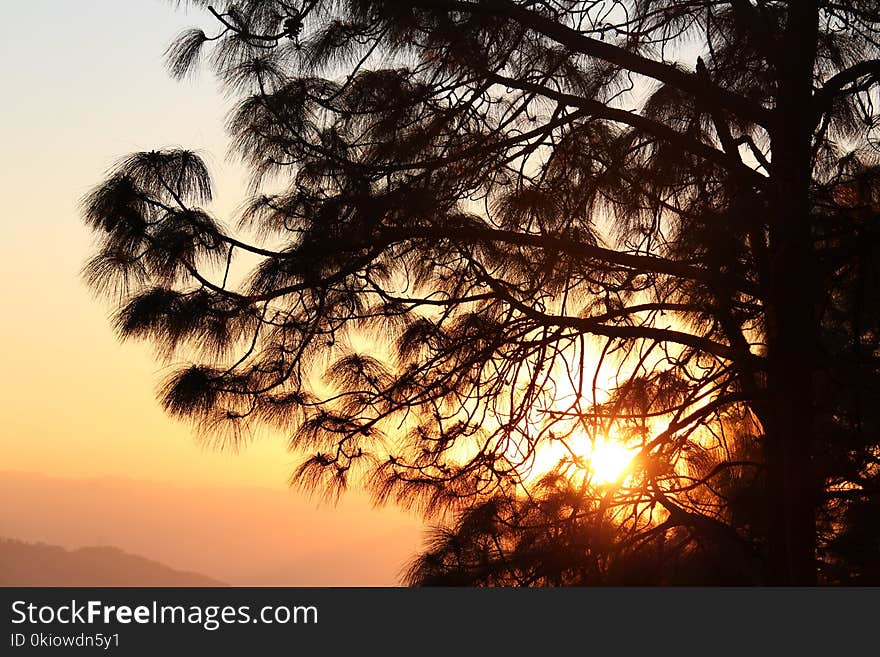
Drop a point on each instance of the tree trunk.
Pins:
(792, 325)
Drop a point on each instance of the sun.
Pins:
(608, 461)
(604, 462)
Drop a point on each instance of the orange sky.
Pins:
(241, 535)
(84, 85)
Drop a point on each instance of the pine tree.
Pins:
(489, 233)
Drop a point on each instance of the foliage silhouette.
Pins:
(516, 228)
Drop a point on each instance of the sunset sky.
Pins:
(84, 85)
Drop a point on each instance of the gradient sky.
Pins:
(84, 84)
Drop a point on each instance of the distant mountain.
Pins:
(38, 564)
(243, 535)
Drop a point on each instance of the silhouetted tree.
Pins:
(507, 229)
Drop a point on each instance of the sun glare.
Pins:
(608, 461)
(605, 462)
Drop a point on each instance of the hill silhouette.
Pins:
(39, 564)
(300, 542)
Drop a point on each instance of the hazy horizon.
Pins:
(242, 535)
